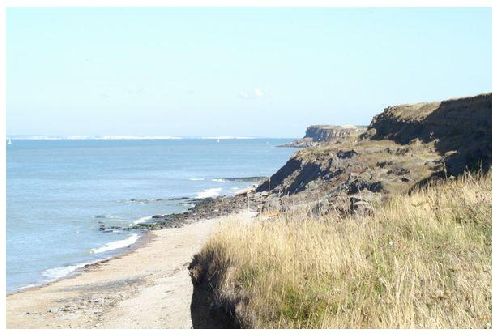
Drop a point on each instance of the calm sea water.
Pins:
(60, 192)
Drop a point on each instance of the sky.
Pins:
(266, 72)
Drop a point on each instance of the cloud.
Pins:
(252, 94)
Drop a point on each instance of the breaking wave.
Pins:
(116, 244)
(212, 192)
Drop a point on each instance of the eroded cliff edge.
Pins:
(460, 129)
(404, 147)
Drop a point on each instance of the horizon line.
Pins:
(138, 137)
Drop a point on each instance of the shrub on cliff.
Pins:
(421, 261)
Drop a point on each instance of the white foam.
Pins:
(28, 286)
(142, 220)
(197, 178)
(59, 272)
(212, 192)
(116, 244)
(55, 273)
(221, 180)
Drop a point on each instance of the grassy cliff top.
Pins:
(420, 261)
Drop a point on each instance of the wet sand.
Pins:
(149, 287)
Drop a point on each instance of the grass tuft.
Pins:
(421, 261)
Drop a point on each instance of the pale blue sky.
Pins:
(233, 71)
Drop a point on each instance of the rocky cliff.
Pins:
(460, 129)
(404, 147)
(327, 133)
(319, 134)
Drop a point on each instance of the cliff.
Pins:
(319, 134)
(347, 170)
(327, 133)
(460, 128)
(404, 147)
(318, 255)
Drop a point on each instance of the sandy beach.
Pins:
(149, 287)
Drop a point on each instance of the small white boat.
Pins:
(9, 141)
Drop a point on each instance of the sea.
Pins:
(61, 193)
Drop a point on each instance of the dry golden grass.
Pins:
(422, 261)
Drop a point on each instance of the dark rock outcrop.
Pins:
(404, 147)
(461, 129)
(205, 208)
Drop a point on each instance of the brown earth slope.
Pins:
(404, 147)
(460, 129)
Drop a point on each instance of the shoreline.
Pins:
(148, 286)
(143, 239)
(203, 209)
